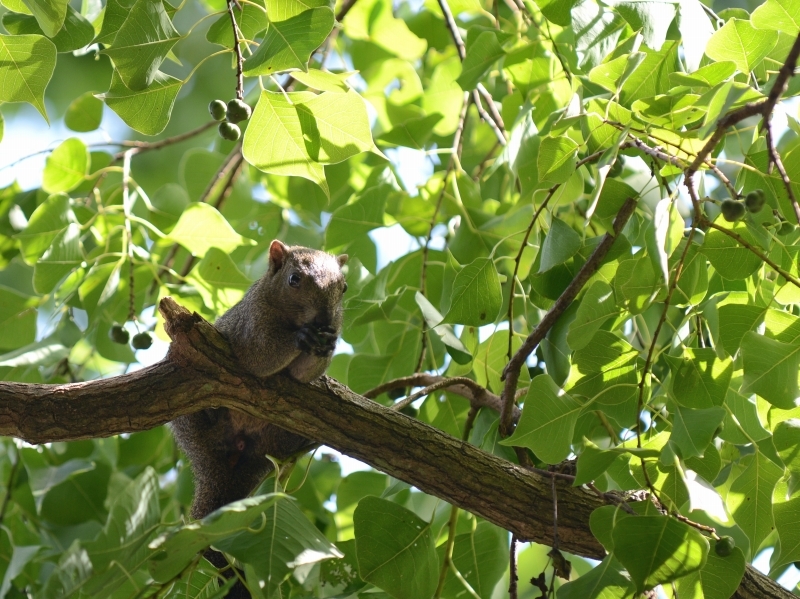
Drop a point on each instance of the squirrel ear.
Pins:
(277, 255)
(342, 259)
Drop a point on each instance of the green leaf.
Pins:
(605, 581)
(142, 44)
(27, 63)
(218, 280)
(147, 111)
(749, 499)
(592, 462)
(335, 126)
(692, 430)
(444, 96)
(482, 53)
(742, 43)
(707, 76)
(777, 15)
(786, 439)
(479, 557)
(284, 540)
(597, 32)
(455, 347)
(651, 78)
(729, 259)
(770, 369)
(700, 378)
(175, 549)
(131, 523)
(652, 17)
(560, 244)
(114, 15)
(41, 353)
(17, 319)
(477, 297)
(274, 141)
(742, 424)
(66, 166)
(605, 370)
(786, 511)
(357, 218)
(738, 319)
(547, 423)
(717, 579)
(556, 160)
(596, 307)
(658, 549)
(250, 18)
(75, 33)
(288, 44)
(65, 253)
(201, 227)
(84, 113)
(391, 543)
(50, 218)
(50, 14)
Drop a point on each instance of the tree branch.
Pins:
(200, 372)
(512, 369)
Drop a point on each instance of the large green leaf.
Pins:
(66, 166)
(147, 111)
(27, 63)
(692, 430)
(548, 421)
(75, 33)
(742, 43)
(652, 17)
(142, 44)
(176, 548)
(770, 369)
(476, 298)
(717, 579)
(777, 15)
(201, 227)
(356, 218)
(731, 260)
(658, 549)
(482, 53)
(50, 14)
(556, 161)
(596, 307)
(84, 113)
(479, 557)
(605, 581)
(250, 18)
(63, 255)
(218, 280)
(395, 549)
(560, 244)
(605, 370)
(786, 511)
(288, 44)
(749, 499)
(285, 540)
(50, 218)
(700, 378)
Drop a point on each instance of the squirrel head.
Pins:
(308, 284)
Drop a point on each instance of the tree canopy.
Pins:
(571, 348)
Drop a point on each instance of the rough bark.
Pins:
(200, 372)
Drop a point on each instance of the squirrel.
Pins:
(288, 321)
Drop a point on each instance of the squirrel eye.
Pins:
(345, 288)
(294, 280)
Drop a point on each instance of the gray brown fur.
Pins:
(275, 327)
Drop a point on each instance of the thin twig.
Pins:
(512, 369)
(479, 397)
(775, 159)
(126, 209)
(139, 147)
(451, 529)
(512, 563)
(238, 52)
(517, 260)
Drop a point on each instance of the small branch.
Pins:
(238, 51)
(512, 369)
(478, 396)
(775, 159)
(744, 243)
(346, 6)
(512, 567)
(487, 118)
(139, 147)
(517, 260)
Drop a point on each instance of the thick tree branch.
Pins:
(200, 372)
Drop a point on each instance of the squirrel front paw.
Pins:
(318, 341)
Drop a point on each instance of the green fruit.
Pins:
(786, 228)
(142, 341)
(754, 201)
(229, 131)
(118, 334)
(724, 547)
(218, 110)
(616, 168)
(732, 210)
(238, 111)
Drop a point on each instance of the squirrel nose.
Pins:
(323, 319)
